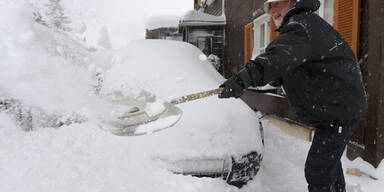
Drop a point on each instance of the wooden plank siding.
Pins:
(238, 16)
(248, 42)
(370, 135)
(356, 147)
(374, 131)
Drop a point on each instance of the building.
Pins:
(206, 30)
(163, 25)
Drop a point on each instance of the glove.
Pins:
(236, 85)
(233, 87)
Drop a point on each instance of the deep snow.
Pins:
(81, 157)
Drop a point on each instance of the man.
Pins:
(322, 81)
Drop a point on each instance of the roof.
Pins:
(163, 19)
(214, 7)
(198, 18)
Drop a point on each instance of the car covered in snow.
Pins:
(214, 136)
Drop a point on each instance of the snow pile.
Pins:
(29, 73)
(155, 108)
(203, 57)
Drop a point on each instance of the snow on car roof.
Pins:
(162, 67)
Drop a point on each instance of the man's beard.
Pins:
(277, 19)
(277, 22)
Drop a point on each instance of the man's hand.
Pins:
(233, 87)
(236, 85)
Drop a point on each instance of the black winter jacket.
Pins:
(316, 66)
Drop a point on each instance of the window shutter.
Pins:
(347, 21)
(248, 42)
(273, 32)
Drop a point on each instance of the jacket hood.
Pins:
(312, 5)
(301, 5)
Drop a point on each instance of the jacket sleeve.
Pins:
(289, 50)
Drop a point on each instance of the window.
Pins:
(261, 34)
(326, 10)
(205, 44)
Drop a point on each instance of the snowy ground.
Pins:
(69, 159)
(283, 165)
(81, 157)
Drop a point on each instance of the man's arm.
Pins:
(288, 51)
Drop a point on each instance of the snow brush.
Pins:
(145, 114)
(195, 96)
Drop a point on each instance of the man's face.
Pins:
(278, 10)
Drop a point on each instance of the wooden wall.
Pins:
(370, 135)
(238, 14)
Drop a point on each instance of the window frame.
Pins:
(327, 12)
(257, 26)
(321, 9)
